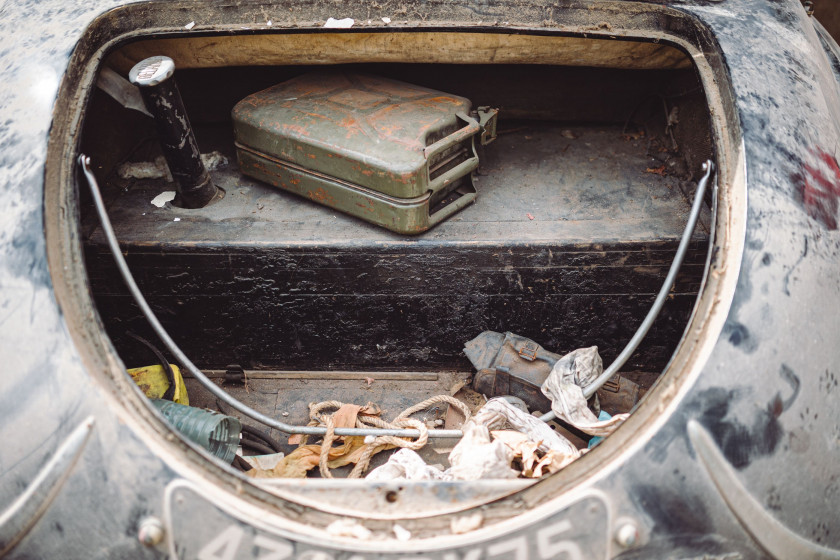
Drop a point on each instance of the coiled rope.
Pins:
(375, 444)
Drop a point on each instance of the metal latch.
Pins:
(487, 119)
(234, 375)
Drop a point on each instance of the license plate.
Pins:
(199, 529)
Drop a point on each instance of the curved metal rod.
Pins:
(643, 329)
(217, 391)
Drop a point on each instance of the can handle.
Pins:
(452, 208)
(456, 137)
(466, 166)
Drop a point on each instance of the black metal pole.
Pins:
(154, 78)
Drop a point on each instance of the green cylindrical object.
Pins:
(217, 433)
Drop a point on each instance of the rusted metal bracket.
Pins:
(487, 119)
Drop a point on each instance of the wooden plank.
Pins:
(421, 47)
(329, 375)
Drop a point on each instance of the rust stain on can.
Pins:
(367, 206)
(321, 196)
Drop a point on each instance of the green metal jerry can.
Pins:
(391, 153)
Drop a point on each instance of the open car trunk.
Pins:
(581, 203)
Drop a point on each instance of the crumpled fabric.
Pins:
(564, 385)
(528, 435)
(297, 463)
(477, 457)
(405, 464)
(533, 463)
(497, 414)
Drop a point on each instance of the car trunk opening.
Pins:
(581, 202)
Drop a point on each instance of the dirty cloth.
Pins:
(477, 456)
(405, 464)
(533, 463)
(499, 414)
(529, 434)
(564, 387)
(306, 457)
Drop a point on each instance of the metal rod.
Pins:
(154, 77)
(643, 329)
(182, 358)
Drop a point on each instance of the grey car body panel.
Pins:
(767, 393)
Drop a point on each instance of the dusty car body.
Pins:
(732, 454)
